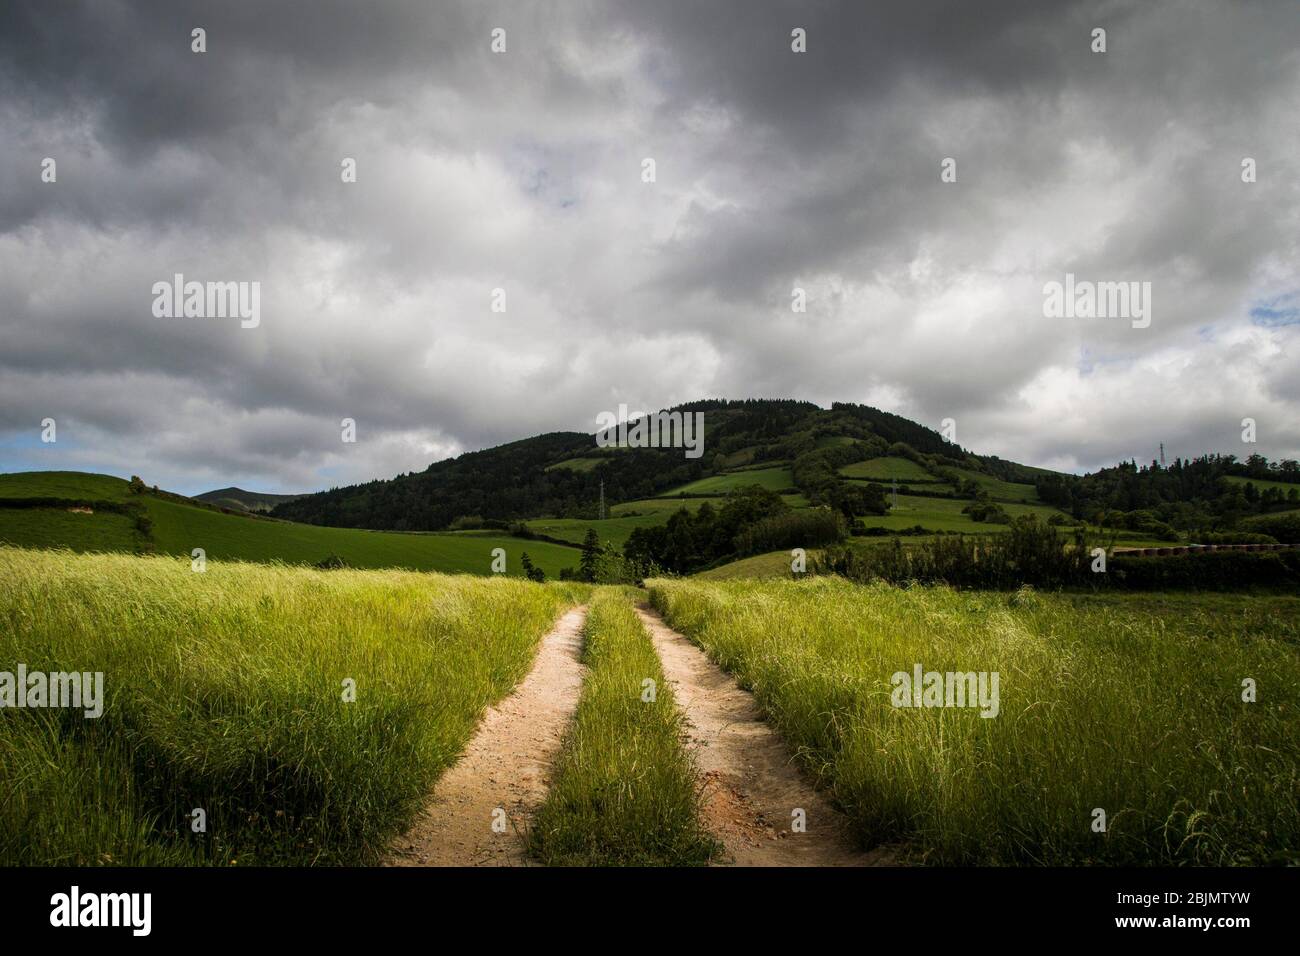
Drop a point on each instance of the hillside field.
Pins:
(887, 469)
(178, 528)
(773, 479)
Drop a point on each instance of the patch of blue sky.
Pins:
(1280, 310)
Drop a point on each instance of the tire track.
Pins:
(506, 765)
(751, 785)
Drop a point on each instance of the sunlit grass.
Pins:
(1134, 707)
(224, 691)
(624, 791)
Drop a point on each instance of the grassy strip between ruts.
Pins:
(224, 691)
(1134, 708)
(624, 792)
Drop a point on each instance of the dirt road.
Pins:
(752, 788)
(505, 768)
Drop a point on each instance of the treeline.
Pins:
(1186, 496)
(749, 521)
(1034, 553)
(1030, 552)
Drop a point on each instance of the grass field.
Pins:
(1132, 706)
(1000, 490)
(178, 528)
(671, 505)
(225, 691)
(774, 479)
(63, 484)
(773, 564)
(944, 514)
(60, 528)
(624, 790)
(612, 530)
(578, 464)
(628, 516)
(886, 470)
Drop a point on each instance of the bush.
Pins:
(1032, 552)
(1218, 571)
(860, 528)
(986, 511)
(1235, 537)
(531, 571)
(1284, 526)
(809, 528)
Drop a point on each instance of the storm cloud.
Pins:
(522, 171)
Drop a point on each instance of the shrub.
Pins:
(531, 571)
(809, 528)
(1031, 552)
(1219, 571)
(1284, 526)
(1235, 537)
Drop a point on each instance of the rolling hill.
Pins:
(785, 445)
(544, 495)
(86, 512)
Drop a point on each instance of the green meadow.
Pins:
(227, 691)
(1132, 707)
(773, 479)
(178, 527)
(998, 489)
(945, 514)
(886, 470)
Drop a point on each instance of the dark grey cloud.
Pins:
(522, 171)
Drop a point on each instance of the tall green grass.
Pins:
(624, 792)
(224, 691)
(1131, 706)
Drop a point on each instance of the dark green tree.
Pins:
(590, 555)
(531, 571)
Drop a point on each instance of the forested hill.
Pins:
(560, 473)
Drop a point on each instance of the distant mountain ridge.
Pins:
(238, 499)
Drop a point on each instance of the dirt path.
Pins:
(506, 765)
(751, 785)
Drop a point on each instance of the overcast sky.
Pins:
(523, 171)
